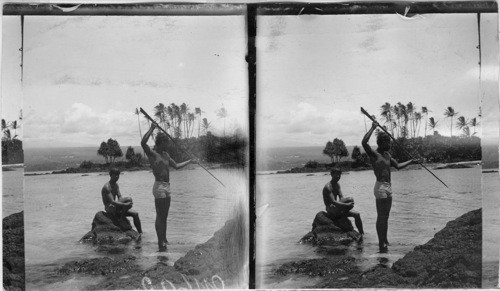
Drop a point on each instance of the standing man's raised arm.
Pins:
(145, 138)
(366, 138)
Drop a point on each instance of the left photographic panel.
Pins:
(136, 145)
(12, 156)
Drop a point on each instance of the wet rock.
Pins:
(333, 250)
(216, 264)
(100, 266)
(13, 252)
(339, 266)
(110, 230)
(326, 231)
(452, 259)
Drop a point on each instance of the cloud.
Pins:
(70, 79)
(305, 118)
(80, 123)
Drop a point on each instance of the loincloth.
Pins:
(161, 190)
(382, 190)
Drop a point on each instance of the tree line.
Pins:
(12, 146)
(404, 123)
(406, 120)
(180, 122)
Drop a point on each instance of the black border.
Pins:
(251, 11)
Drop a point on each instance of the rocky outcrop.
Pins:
(328, 232)
(110, 233)
(13, 252)
(216, 264)
(452, 259)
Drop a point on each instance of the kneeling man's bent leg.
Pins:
(137, 221)
(357, 220)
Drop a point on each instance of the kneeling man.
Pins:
(336, 205)
(113, 201)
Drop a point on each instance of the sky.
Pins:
(84, 76)
(315, 72)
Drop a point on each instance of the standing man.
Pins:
(336, 205)
(382, 161)
(160, 160)
(113, 201)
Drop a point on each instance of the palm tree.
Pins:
(462, 122)
(473, 122)
(222, 113)
(404, 115)
(397, 114)
(432, 123)
(206, 125)
(14, 127)
(171, 116)
(197, 111)
(450, 112)
(161, 114)
(426, 112)
(409, 112)
(191, 119)
(385, 111)
(184, 111)
(177, 117)
(418, 119)
(466, 131)
(138, 121)
(5, 130)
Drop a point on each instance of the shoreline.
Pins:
(105, 169)
(433, 166)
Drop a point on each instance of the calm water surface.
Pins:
(421, 207)
(12, 191)
(491, 228)
(60, 209)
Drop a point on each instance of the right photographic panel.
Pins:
(377, 147)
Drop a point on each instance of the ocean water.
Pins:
(491, 228)
(288, 203)
(60, 209)
(12, 191)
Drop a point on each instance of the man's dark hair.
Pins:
(114, 171)
(161, 138)
(335, 170)
(383, 137)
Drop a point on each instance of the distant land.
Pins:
(51, 159)
(269, 159)
(285, 158)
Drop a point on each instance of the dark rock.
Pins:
(13, 252)
(339, 265)
(215, 264)
(100, 266)
(452, 259)
(333, 250)
(110, 230)
(326, 231)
